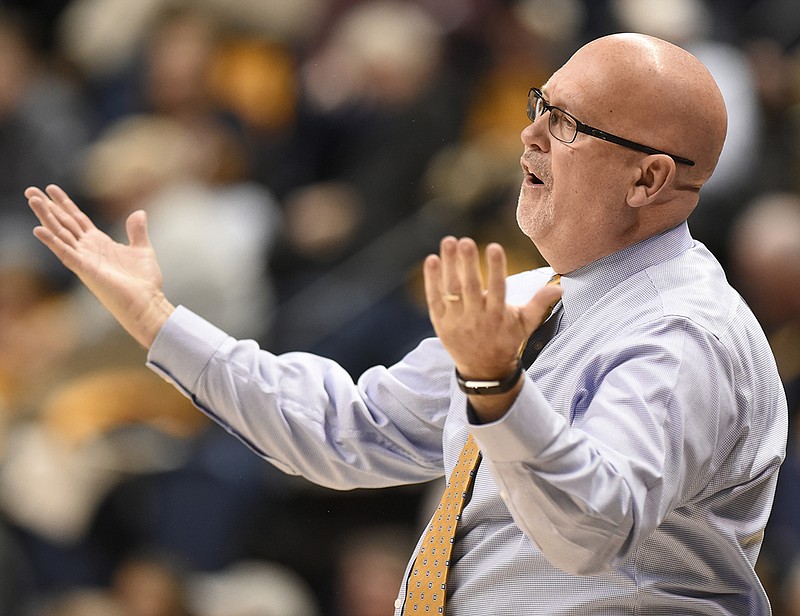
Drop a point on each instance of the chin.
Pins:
(534, 217)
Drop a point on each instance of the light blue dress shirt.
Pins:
(634, 474)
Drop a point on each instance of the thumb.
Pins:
(136, 227)
(539, 307)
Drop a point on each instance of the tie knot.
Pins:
(555, 281)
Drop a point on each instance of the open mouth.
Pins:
(530, 176)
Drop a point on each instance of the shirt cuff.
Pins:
(524, 432)
(183, 348)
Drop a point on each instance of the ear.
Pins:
(655, 175)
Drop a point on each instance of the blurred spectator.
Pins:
(778, 87)
(44, 123)
(765, 246)
(83, 602)
(214, 238)
(776, 20)
(766, 241)
(377, 104)
(43, 116)
(43, 126)
(370, 567)
(225, 69)
(150, 585)
(199, 506)
(378, 127)
(58, 468)
(93, 433)
(34, 338)
(376, 96)
(90, 33)
(251, 588)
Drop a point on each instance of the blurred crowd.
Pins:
(297, 160)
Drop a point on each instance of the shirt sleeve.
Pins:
(305, 414)
(649, 422)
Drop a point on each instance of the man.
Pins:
(632, 470)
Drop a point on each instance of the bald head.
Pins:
(589, 197)
(653, 92)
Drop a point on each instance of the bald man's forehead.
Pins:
(576, 88)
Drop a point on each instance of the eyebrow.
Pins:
(549, 102)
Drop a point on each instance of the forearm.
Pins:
(577, 503)
(304, 413)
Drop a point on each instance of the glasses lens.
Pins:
(532, 104)
(562, 126)
(536, 104)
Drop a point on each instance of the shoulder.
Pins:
(693, 287)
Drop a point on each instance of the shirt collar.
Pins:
(586, 285)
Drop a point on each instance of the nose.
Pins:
(536, 134)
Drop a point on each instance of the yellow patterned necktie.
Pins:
(427, 581)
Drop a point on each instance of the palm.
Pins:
(125, 278)
(112, 270)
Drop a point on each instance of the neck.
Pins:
(561, 255)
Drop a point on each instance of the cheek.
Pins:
(586, 188)
(572, 183)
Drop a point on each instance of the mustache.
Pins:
(533, 165)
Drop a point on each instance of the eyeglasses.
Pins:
(565, 127)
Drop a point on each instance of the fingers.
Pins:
(67, 206)
(495, 277)
(38, 202)
(448, 250)
(432, 273)
(63, 224)
(453, 279)
(64, 251)
(57, 213)
(136, 227)
(55, 232)
(469, 273)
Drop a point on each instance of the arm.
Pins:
(301, 412)
(632, 439)
(304, 413)
(657, 427)
(126, 279)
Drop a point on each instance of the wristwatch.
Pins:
(476, 387)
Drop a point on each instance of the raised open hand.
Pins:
(482, 333)
(125, 278)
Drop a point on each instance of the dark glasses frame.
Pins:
(537, 105)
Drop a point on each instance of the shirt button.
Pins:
(503, 495)
(398, 603)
